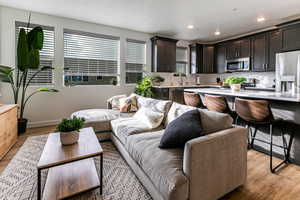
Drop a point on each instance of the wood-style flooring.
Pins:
(261, 184)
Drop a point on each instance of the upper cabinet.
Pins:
(274, 47)
(238, 49)
(291, 37)
(163, 54)
(208, 59)
(259, 52)
(201, 58)
(220, 58)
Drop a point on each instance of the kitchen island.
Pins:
(283, 105)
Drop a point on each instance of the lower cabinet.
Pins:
(8, 128)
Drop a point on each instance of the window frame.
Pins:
(126, 62)
(182, 61)
(96, 35)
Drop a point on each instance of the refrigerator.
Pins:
(288, 72)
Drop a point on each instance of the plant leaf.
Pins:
(22, 50)
(47, 90)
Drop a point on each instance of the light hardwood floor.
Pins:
(261, 184)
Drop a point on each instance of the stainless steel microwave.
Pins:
(240, 64)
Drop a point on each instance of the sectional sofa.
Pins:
(207, 167)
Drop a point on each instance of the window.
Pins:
(181, 59)
(135, 60)
(88, 56)
(46, 55)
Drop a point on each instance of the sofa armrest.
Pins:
(216, 163)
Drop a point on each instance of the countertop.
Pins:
(270, 95)
(186, 86)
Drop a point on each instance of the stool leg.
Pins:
(249, 135)
(289, 146)
(253, 136)
(271, 148)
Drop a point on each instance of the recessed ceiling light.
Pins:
(217, 33)
(261, 19)
(190, 26)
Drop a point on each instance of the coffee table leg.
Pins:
(101, 174)
(39, 185)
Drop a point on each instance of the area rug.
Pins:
(19, 180)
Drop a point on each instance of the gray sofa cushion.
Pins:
(163, 167)
(124, 127)
(211, 121)
(100, 119)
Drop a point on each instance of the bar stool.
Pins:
(193, 99)
(218, 104)
(258, 113)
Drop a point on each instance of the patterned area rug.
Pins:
(19, 180)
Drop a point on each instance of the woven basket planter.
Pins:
(68, 138)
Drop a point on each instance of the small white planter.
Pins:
(68, 138)
(235, 87)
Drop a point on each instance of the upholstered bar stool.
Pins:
(258, 113)
(192, 99)
(218, 104)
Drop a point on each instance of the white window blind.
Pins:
(45, 77)
(90, 59)
(135, 60)
(181, 59)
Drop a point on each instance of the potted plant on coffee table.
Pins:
(69, 130)
(156, 80)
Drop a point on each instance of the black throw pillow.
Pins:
(184, 128)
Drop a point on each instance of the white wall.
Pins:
(49, 108)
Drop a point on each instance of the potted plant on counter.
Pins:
(69, 130)
(30, 42)
(156, 80)
(235, 82)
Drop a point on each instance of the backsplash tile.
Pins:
(263, 79)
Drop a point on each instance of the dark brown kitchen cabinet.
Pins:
(238, 49)
(208, 59)
(163, 54)
(232, 50)
(244, 48)
(291, 37)
(259, 52)
(220, 58)
(274, 47)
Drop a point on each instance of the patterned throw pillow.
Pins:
(128, 104)
(114, 101)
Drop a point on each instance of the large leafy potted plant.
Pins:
(30, 42)
(144, 87)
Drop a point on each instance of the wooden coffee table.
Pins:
(72, 168)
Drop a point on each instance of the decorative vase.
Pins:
(68, 138)
(235, 87)
(22, 126)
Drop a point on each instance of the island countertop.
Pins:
(269, 95)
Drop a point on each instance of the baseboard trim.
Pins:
(42, 123)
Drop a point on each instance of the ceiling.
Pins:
(171, 17)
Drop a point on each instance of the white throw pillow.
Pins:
(149, 117)
(176, 110)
